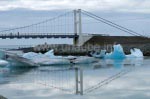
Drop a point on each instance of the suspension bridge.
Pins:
(67, 25)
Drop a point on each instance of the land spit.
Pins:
(95, 44)
(63, 49)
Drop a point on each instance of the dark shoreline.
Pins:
(66, 53)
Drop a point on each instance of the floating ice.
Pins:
(54, 62)
(70, 57)
(3, 63)
(46, 59)
(135, 53)
(100, 55)
(84, 60)
(50, 54)
(50, 59)
(118, 53)
(32, 55)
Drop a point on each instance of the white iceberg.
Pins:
(135, 53)
(50, 54)
(70, 57)
(46, 59)
(3, 63)
(47, 62)
(31, 55)
(85, 60)
(50, 59)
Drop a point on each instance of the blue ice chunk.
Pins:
(118, 53)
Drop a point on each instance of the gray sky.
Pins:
(133, 14)
(116, 5)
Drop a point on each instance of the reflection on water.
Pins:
(118, 63)
(52, 75)
(10, 72)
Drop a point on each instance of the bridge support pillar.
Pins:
(78, 41)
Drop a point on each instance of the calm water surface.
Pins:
(59, 81)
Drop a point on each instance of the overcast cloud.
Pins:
(116, 5)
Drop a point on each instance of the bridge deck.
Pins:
(38, 35)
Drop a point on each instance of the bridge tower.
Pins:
(78, 41)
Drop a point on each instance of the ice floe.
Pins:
(118, 53)
(84, 60)
(50, 59)
(3, 63)
(135, 53)
(46, 59)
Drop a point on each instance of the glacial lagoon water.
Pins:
(58, 82)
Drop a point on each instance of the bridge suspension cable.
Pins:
(37, 25)
(112, 24)
(62, 25)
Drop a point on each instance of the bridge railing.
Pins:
(19, 34)
(38, 35)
